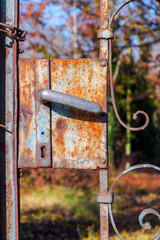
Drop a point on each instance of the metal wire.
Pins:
(3, 126)
(141, 217)
(138, 166)
(117, 10)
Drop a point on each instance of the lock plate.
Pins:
(75, 138)
(34, 117)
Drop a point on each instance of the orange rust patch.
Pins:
(83, 136)
(61, 125)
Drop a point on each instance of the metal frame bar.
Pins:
(103, 174)
(106, 195)
(9, 223)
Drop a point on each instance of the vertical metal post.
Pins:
(104, 211)
(8, 117)
(104, 19)
(104, 183)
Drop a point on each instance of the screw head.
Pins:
(103, 62)
(103, 161)
(20, 174)
(21, 51)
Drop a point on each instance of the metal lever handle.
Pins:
(46, 95)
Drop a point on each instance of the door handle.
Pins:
(46, 95)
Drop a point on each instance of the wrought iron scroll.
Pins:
(145, 212)
(111, 78)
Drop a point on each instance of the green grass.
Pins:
(73, 203)
(60, 213)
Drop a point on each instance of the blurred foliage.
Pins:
(133, 76)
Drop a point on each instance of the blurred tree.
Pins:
(51, 25)
(134, 91)
(52, 30)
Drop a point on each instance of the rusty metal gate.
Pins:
(54, 114)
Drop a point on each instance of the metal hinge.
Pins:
(14, 32)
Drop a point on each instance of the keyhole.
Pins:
(43, 149)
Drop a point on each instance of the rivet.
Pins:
(103, 62)
(8, 69)
(103, 161)
(20, 175)
(20, 51)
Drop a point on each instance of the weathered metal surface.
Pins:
(104, 19)
(105, 197)
(78, 137)
(8, 118)
(105, 33)
(34, 119)
(104, 183)
(104, 210)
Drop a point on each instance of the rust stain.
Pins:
(59, 135)
(25, 117)
(26, 157)
(61, 125)
(8, 69)
(6, 149)
(8, 116)
(8, 19)
(7, 52)
(9, 205)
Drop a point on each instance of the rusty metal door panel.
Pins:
(34, 120)
(78, 137)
